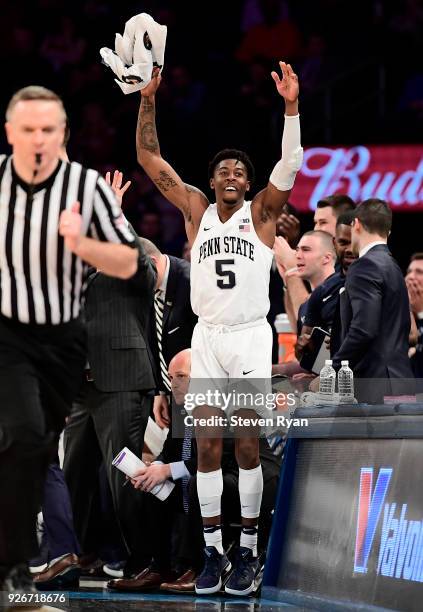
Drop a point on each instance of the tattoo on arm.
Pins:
(147, 106)
(265, 216)
(148, 138)
(164, 181)
(146, 129)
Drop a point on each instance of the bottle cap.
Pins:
(328, 361)
(282, 324)
(344, 363)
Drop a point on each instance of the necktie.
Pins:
(186, 454)
(158, 309)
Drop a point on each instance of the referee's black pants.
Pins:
(40, 372)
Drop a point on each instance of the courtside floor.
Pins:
(103, 600)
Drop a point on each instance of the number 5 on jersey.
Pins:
(228, 276)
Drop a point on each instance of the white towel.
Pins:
(137, 52)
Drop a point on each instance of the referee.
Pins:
(55, 218)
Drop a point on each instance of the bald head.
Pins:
(179, 374)
(181, 361)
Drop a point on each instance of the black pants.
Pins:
(101, 424)
(40, 372)
(167, 525)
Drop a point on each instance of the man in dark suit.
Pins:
(172, 321)
(375, 310)
(113, 408)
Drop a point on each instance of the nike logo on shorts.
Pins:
(247, 372)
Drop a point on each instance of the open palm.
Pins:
(288, 86)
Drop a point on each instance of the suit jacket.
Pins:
(375, 318)
(117, 314)
(178, 319)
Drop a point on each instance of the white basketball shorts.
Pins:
(234, 358)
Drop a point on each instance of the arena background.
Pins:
(359, 64)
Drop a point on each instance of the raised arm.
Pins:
(190, 200)
(286, 262)
(269, 203)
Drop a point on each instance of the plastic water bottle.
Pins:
(286, 338)
(327, 379)
(345, 383)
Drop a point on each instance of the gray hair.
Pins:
(34, 92)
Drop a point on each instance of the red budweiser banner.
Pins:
(393, 173)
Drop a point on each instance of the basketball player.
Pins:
(231, 258)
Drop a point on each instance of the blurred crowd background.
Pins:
(359, 65)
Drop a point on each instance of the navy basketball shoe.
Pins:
(216, 567)
(242, 579)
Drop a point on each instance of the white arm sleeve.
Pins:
(284, 173)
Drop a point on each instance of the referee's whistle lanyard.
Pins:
(38, 158)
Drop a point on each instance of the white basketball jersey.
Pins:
(230, 269)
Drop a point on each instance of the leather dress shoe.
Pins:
(62, 572)
(147, 580)
(91, 565)
(184, 584)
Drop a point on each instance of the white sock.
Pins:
(209, 489)
(213, 537)
(250, 494)
(249, 538)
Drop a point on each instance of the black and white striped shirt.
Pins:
(40, 280)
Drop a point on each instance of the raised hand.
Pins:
(415, 295)
(116, 185)
(70, 225)
(288, 226)
(284, 255)
(287, 87)
(154, 84)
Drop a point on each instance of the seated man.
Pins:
(314, 262)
